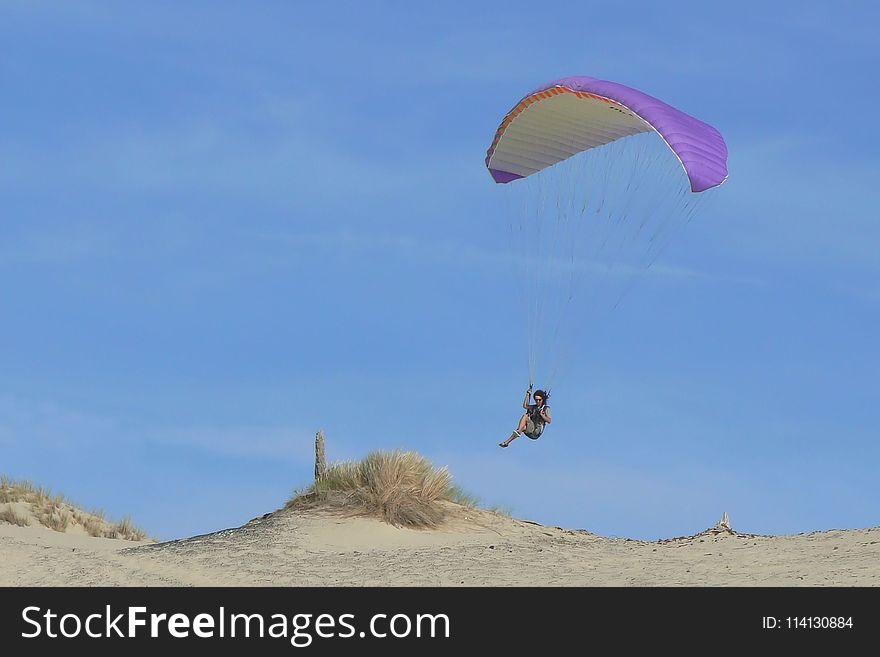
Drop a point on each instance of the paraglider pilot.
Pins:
(533, 420)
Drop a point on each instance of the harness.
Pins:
(535, 414)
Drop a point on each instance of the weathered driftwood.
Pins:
(320, 457)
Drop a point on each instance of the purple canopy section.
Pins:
(699, 146)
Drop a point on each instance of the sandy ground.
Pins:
(477, 548)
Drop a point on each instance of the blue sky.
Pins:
(222, 228)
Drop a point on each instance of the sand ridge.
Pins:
(475, 548)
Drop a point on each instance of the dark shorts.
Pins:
(533, 430)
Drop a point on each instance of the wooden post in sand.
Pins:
(320, 458)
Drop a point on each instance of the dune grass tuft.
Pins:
(401, 487)
(93, 526)
(501, 510)
(459, 496)
(54, 516)
(125, 529)
(9, 515)
(56, 512)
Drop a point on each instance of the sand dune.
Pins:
(476, 548)
(26, 505)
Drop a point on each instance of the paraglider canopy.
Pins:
(574, 114)
(609, 173)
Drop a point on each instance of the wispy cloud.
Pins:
(800, 199)
(289, 444)
(47, 426)
(292, 158)
(60, 246)
(469, 256)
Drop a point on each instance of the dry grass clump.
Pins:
(126, 530)
(402, 488)
(93, 526)
(24, 491)
(58, 513)
(9, 515)
(54, 516)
